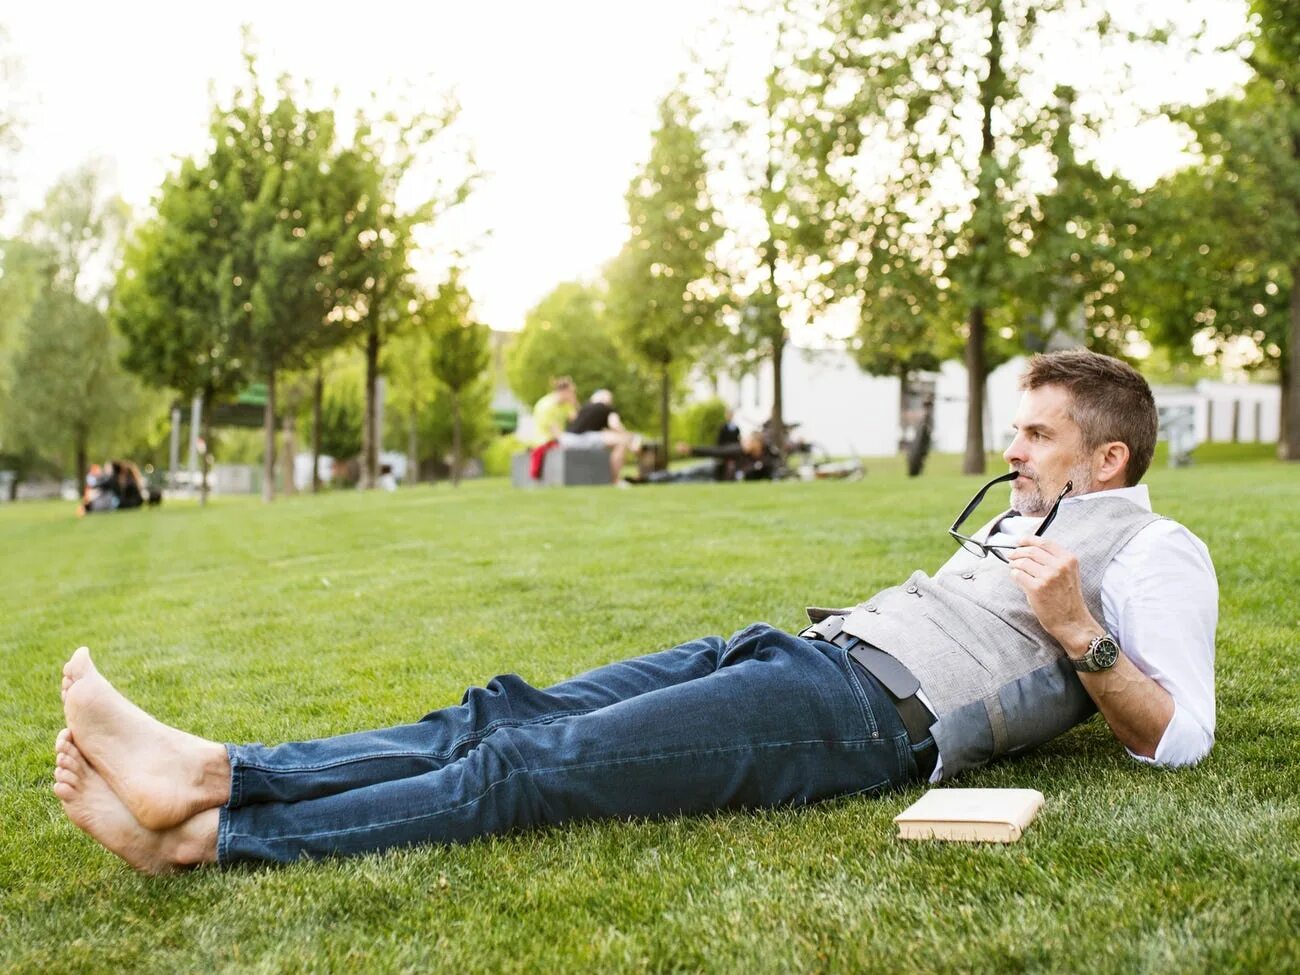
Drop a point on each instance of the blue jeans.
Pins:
(762, 719)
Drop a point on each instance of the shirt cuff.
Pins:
(1184, 743)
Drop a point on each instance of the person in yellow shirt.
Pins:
(553, 411)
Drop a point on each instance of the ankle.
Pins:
(215, 774)
(193, 842)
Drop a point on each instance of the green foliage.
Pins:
(434, 425)
(698, 423)
(931, 126)
(776, 271)
(569, 334)
(63, 392)
(661, 297)
(69, 396)
(497, 454)
(460, 357)
(342, 408)
(375, 297)
(23, 275)
(169, 302)
(660, 294)
(461, 350)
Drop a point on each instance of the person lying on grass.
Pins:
(1078, 599)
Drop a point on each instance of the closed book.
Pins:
(970, 815)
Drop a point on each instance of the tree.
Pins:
(275, 165)
(170, 302)
(434, 424)
(1221, 241)
(777, 237)
(660, 293)
(67, 386)
(461, 352)
(954, 152)
(411, 390)
(1240, 266)
(569, 333)
(69, 389)
(375, 297)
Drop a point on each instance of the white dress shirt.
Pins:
(1160, 600)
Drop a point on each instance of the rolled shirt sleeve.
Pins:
(1160, 598)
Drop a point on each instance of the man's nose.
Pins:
(1013, 451)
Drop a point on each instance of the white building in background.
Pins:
(847, 412)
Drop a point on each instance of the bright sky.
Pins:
(558, 98)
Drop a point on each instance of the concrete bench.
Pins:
(562, 467)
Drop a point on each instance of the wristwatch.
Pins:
(1102, 653)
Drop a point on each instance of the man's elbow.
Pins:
(1189, 749)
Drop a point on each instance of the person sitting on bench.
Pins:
(597, 425)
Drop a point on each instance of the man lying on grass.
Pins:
(1078, 599)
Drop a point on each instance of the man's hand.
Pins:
(1049, 576)
(1137, 709)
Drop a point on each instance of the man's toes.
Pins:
(67, 776)
(64, 792)
(62, 740)
(79, 665)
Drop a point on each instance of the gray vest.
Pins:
(996, 680)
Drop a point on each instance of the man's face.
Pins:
(1047, 451)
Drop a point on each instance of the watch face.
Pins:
(1105, 652)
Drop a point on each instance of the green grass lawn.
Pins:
(323, 615)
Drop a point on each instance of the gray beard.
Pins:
(1032, 502)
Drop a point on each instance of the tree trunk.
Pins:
(318, 394)
(206, 426)
(369, 435)
(778, 391)
(268, 440)
(455, 438)
(79, 451)
(973, 463)
(1289, 435)
(413, 446)
(665, 391)
(990, 87)
(290, 464)
(903, 385)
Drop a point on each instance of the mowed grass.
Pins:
(323, 615)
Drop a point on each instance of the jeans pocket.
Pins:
(856, 678)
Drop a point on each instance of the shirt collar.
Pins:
(1138, 494)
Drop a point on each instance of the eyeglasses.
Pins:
(981, 549)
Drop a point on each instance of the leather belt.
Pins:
(899, 682)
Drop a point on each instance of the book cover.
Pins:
(970, 815)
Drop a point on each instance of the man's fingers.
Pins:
(1029, 554)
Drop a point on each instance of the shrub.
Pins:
(496, 455)
(698, 423)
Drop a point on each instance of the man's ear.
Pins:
(1112, 463)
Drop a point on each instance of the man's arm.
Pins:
(1137, 709)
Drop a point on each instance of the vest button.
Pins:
(968, 575)
(912, 590)
(872, 609)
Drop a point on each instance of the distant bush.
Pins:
(496, 455)
(698, 423)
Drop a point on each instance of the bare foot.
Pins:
(162, 775)
(96, 810)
